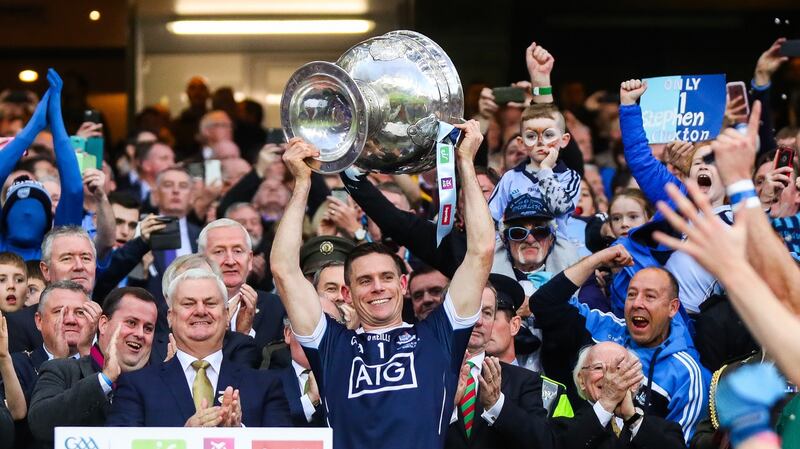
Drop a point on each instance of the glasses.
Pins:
(533, 136)
(518, 233)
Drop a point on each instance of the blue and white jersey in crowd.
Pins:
(559, 188)
(393, 388)
(789, 230)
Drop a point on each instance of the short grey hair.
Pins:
(59, 285)
(318, 273)
(174, 168)
(196, 274)
(236, 206)
(184, 263)
(63, 231)
(202, 241)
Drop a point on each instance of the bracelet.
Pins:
(545, 90)
(106, 379)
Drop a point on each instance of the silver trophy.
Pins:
(378, 108)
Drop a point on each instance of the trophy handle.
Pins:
(324, 105)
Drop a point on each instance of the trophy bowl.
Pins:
(378, 107)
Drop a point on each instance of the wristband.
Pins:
(740, 186)
(546, 90)
(106, 379)
(737, 198)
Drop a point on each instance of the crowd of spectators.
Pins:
(596, 291)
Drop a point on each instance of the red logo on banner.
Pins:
(280, 444)
(446, 214)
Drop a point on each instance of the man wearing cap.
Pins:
(530, 239)
(498, 405)
(510, 296)
(318, 251)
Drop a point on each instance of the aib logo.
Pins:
(80, 443)
(218, 443)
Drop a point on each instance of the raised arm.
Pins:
(648, 171)
(11, 153)
(70, 207)
(297, 294)
(470, 278)
(540, 64)
(722, 250)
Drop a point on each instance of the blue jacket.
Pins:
(676, 383)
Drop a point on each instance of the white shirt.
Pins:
(186, 243)
(214, 360)
(490, 416)
(302, 379)
(605, 417)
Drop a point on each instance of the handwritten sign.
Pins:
(685, 107)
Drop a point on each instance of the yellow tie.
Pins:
(615, 427)
(201, 388)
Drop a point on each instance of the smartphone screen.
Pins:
(737, 90)
(791, 48)
(784, 157)
(506, 94)
(213, 172)
(92, 115)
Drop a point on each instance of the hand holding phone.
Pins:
(784, 157)
(506, 94)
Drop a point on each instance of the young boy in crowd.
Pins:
(36, 282)
(542, 135)
(13, 282)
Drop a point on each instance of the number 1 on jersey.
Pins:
(380, 348)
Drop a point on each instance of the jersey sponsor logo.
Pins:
(406, 341)
(397, 373)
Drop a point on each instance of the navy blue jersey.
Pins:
(390, 389)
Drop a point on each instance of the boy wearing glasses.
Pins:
(541, 175)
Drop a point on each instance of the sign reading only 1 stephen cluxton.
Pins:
(688, 107)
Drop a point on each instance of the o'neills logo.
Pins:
(446, 214)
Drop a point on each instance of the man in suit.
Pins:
(255, 313)
(300, 386)
(77, 392)
(498, 405)
(150, 158)
(199, 387)
(609, 376)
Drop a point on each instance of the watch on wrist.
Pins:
(360, 234)
(544, 90)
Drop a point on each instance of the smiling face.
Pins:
(649, 307)
(71, 258)
(13, 286)
(227, 246)
(706, 176)
(198, 317)
(529, 254)
(426, 292)
(136, 320)
(590, 378)
(626, 213)
(74, 324)
(376, 289)
(331, 281)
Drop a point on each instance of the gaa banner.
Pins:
(684, 107)
(192, 438)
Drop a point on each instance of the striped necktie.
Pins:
(467, 404)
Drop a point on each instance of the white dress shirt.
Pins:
(214, 360)
(605, 417)
(302, 379)
(186, 243)
(490, 416)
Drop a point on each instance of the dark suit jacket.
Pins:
(27, 365)
(68, 393)
(22, 332)
(585, 432)
(6, 428)
(292, 390)
(159, 396)
(522, 421)
(236, 347)
(268, 322)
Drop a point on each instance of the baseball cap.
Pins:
(527, 206)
